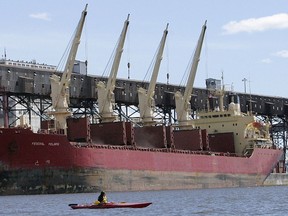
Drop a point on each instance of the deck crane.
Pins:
(105, 91)
(60, 86)
(146, 97)
(182, 102)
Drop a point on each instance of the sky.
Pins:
(245, 39)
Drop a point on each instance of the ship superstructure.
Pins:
(242, 129)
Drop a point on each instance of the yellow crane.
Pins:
(182, 102)
(60, 85)
(106, 98)
(146, 97)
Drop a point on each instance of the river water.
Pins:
(228, 201)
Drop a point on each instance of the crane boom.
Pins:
(105, 92)
(60, 86)
(146, 100)
(183, 102)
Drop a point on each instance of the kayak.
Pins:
(110, 205)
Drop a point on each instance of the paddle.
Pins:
(72, 204)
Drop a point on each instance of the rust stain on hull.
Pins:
(48, 181)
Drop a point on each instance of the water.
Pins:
(228, 201)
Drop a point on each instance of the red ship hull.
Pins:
(32, 163)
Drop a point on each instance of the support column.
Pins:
(5, 110)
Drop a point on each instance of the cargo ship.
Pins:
(218, 148)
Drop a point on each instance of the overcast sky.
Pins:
(244, 38)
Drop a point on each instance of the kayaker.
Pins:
(102, 198)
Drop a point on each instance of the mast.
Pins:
(183, 106)
(60, 86)
(146, 97)
(105, 92)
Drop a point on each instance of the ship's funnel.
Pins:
(233, 98)
(234, 103)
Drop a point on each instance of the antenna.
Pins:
(168, 78)
(222, 78)
(250, 104)
(244, 80)
(128, 65)
(86, 65)
(128, 51)
(5, 53)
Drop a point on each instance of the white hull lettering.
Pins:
(53, 144)
(38, 143)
